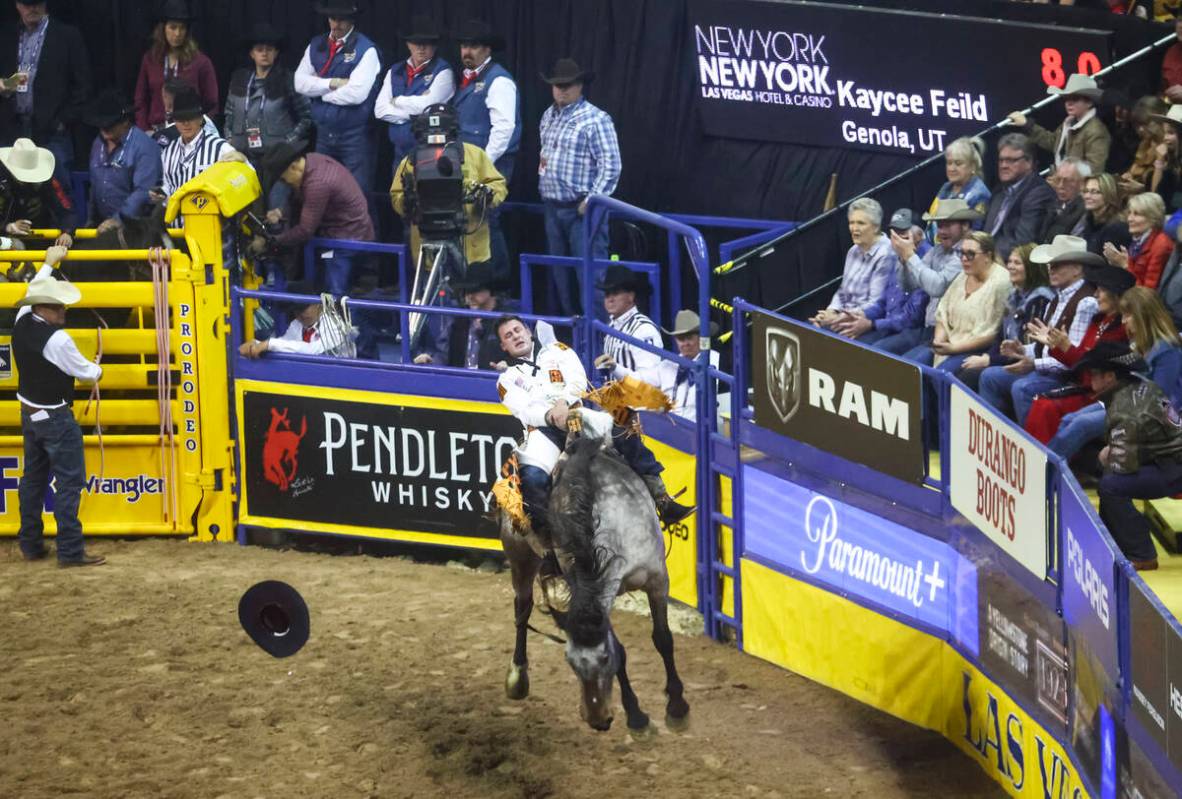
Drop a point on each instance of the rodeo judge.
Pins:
(48, 361)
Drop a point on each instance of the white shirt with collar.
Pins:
(61, 351)
(501, 98)
(397, 110)
(357, 87)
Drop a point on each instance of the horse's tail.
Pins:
(570, 504)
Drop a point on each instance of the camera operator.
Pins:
(326, 203)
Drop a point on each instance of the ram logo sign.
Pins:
(783, 371)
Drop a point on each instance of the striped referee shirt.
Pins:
(183, 162)
(635, 324)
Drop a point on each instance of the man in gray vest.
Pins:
(48, 361)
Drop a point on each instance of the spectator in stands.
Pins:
(326, 203)
(302, 335)
(1171, 67)
(195, 149)
(933, 271)
(867, 264)
(1143, 456)
(1082, 134)
(490, 115)
(1155, 338)
(1150, 133)
(338, 73)
(1150, 248)
(1066, 215)
(44, 83)
(580, 157)
(1167, 166)
(1116, 111)
(472, 343)
(1104, 214)
(895, 321)
(620, 285)
(1022, 200)
(903, 223)
(173, 55)
(1046, 412)
(124, 163)
(410, 86)
(30, 196)
(1029, 299)
(1032, 370)
(962, 167)
(263, 109)
(970, 312)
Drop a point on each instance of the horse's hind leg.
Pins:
(523, 565)
(637, 718)
(676, 708)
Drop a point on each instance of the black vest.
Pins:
(40, 381)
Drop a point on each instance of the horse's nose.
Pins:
(603, 725)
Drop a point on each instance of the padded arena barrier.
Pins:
(145, 477)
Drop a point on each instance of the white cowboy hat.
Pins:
(27, 162)
(952, 210)
(1065, 249)
(1173, 115)
(1078, 85)
(50, 291)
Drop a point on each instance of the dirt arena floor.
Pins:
(134, 680)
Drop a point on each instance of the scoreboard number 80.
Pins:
(1053, 73)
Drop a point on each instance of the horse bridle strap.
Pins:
(556, 639)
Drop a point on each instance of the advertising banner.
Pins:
(998, 480)
(1089, 579)
(1150, 690)
(369, 464)
(1023, 646)
(838, 397)
(857, 554)
(876, 79)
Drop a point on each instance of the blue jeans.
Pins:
(338, 272)
(496, 236)
(52, 445)
(564, 237)
(354, 149)
(1129, 528)
(1077, 429)
(895, 343)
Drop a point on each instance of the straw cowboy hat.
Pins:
(1173, 116)
(688, 322)
(1065, 249)
(952, 210)
(49, 290)
(27, 162)
(1079, 86)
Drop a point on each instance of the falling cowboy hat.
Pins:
(1065, 249)
(621, 278)
(1078, 86)
(275, 616)
(423, 30)
(27, 162)
(48, 290)
(1111, 356)
(687, 322)
(566, 72)
(475, 31)
(952, 210)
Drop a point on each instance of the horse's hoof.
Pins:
(677, 723)
(638, 723)
(517, 683)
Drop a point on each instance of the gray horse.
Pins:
(609, 542)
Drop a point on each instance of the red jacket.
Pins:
(149, 101)
(1108, 327)
(1149, 262)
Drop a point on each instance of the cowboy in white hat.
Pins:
(1082, 134)
(48, 362)
(30, 196)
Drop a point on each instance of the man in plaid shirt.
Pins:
(580, 157)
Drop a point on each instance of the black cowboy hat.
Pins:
(423, 29)
(621, 278)
(301, 287)
(478, 32)
(1111, 356)
(186, 104)
(275, 616)
(338, 9)
(281, 156)
(1110, 278)
(478, 276)
(263, 33)
(109, 108)
(565, 71)
(177, 10)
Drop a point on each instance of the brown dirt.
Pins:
(134, 680)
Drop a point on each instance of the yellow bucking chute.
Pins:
(231, 185)
(617, 396)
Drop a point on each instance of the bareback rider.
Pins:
(541, 387)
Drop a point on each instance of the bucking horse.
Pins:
(608, 541)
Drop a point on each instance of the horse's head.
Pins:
(592, 653)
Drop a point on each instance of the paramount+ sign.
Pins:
(838, 397)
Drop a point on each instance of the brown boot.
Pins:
(669, 510)
(1145, 565)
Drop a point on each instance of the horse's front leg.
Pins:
(523, 565)
(637, 718)
(676, 708)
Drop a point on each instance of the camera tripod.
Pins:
(447, 261)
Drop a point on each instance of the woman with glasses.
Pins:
(970, 312)
(962, 167)
(1103, 220)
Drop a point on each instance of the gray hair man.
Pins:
(1022, 200)
(1067, 213)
